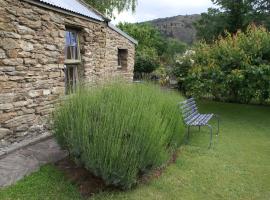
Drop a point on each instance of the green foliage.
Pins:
(174, 47)
(181, 67)
(107, 7)
(146, 60)
(260, 5)
(162, 75)
(150, 47)
(46, 184)
(211, 25)
(153, 49)
(146, 34)
(118, 130)
(231, 16)
(235, 11)
(234, 68)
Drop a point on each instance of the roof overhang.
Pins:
(110, 25)
(93, 16)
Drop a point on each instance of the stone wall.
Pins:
(32, 41)
(114, 42)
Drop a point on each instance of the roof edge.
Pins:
(110, 25)
(64, 11)
(95, 10)
(61, 10)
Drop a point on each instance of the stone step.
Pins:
(25, 161)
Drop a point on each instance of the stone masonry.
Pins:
(32, 42)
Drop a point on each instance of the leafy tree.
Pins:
(150, 48)
(236, 11)
(211, 25)
(173, 48)
(261, 5)
(108, 6)
(261, 12)
(146, 34)
(146, 60)
(153, 49)
(231, 16)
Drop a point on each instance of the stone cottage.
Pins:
(46, 48)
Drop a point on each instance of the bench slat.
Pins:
(198, 121)
(202, 120)
(195, 121)
(191, 115)
(191, 118)
(190, 112)
(187, 101)
(186, 105)
(189, 108)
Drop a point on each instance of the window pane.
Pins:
(73, 39)
(71, 49)
(71, 78)
(122, 58)
(67, 38)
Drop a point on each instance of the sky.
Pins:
(152, 9)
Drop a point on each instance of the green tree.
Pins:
(153, 49)
(236, 11)
(146, 35)
(173, 48)
(261, 5)
(108, 6)
(261, 12)
(212, 24)
(151, 45)
(231, 16)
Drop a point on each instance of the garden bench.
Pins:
(192, 117)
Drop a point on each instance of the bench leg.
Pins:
(218, 120)
(211, 135)
(187, 136)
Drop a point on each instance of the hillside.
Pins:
(180, 27)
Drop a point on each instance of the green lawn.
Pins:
(237, 167)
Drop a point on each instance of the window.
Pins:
(122, 58)
(71, 78)
(72, 50)
(72, 60)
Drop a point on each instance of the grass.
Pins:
(46, 184)
(237, 167)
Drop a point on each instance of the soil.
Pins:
(89, 184)
(156, 173)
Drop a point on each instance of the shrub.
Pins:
(181, 67)
(118, 131)
(146, 61)
(234, 68)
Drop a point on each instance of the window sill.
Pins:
(120, 68)
(72, 61)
